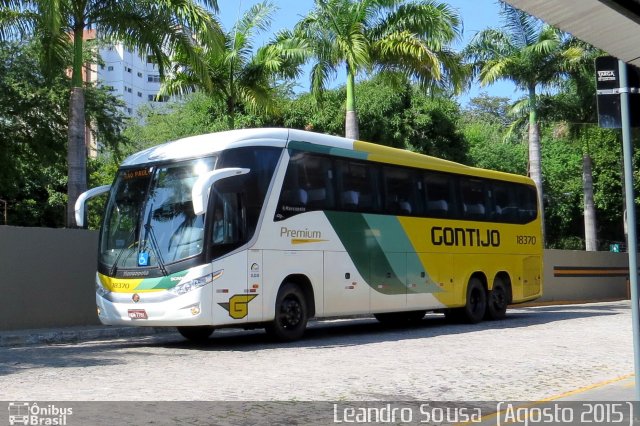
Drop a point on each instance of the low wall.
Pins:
(580, 275)
(47, 277)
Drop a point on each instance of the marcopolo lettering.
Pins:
(465, 237)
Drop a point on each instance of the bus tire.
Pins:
(476, 306)
(291, 314)
(196, 333)
(497, 301)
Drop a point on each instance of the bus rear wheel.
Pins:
(476, 305)
(196, 334)
(497, 301)
(291, 316)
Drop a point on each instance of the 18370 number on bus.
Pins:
(526, 240)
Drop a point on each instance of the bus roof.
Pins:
(202, 145)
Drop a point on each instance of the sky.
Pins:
(476, 16)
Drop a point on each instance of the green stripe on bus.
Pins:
(381, 252)
(161, 283)
(327, 150)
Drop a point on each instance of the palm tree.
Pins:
(530, 54)
(410, 38)
(575, 105)
(238, 77)
(152, 27)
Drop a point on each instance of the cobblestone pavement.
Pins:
(536, 353)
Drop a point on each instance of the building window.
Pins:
(139, 94)
(129, 69)
(153, 78)
(157, 98)
(128, 89)
(110, 68)
(139, 74)
(101, 66)
(129, 110)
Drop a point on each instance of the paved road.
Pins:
(536, 353)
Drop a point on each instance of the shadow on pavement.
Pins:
(320, 334)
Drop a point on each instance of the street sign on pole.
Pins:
(608, 87)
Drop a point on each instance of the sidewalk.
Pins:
(618, 389)
(63, 335)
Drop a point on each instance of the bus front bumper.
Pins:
(144, 311)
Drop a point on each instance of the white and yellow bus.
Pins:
(270, 227)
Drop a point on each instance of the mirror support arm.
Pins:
(83, 198)
(202, 187)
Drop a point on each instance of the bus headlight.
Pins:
(100, 290)
(195, 283)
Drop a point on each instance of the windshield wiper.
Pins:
(154, 243)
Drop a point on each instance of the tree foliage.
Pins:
(33, 118)
(241, 77)
(155, 28)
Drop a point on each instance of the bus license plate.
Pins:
(138, 314)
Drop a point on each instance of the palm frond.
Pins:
(405, 50)
(522, 28)
(258, 17)
(16, 24)
(436, 22)
(321, 73)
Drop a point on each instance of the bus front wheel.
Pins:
(196, 334)
(475, 307)
(291, 314)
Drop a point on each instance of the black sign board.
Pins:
(608, 90)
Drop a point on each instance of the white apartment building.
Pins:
(131, 76)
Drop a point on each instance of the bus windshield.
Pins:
(149, 220)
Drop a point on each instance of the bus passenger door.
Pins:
(231, 302)
(345, 289)
(388, 276)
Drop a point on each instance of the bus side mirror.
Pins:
(82, 200)
(202, 186)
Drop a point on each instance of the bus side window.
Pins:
(528, 203)
(229, 221)
(317, 182)
(505, 205)
(473, 198)
(251, 188)
(307, 185)
(439, 200)
(357, 186)
(399, 191)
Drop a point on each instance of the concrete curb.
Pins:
(57, 336)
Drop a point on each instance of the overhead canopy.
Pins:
(611, 25)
